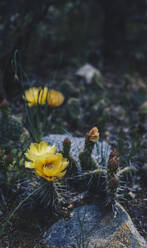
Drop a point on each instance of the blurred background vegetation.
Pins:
(52, 34)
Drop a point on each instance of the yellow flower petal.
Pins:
(41, 148)
(55, 170)
(47, 159)
(61, 174)
(50, 178)
(64, 164)
(36, 96)
(44, 147)
(29, 165)
(55, 98)
(37, 150)
(43, 96)
(50, 172)
(39, 173)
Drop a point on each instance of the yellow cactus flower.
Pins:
(55, 98)
(38, 150)
(36, 96)
(92, 135)
(45, 161)
(51, 167)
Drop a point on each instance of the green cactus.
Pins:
(112, 174)
(11, 127)
(86, 160)
(107, 170)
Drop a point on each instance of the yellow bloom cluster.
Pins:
(45, 161)
(35, 96)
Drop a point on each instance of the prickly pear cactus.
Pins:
(11, 129)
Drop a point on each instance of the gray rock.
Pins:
(100, 152)
(90, 227)
(88, 72)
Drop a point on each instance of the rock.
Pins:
(91, 227)
(100, 152)
(88, 72)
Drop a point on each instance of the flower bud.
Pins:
(66, 145)
(92, 135)
(113, 163)
(113, 183)
(114, 153)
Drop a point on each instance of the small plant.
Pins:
(38, 96)
(12, 173)
(108, 171)
(11, 128)
(12, 167)
(39, 102)
(51, 166)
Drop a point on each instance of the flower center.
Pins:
(48, 165)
